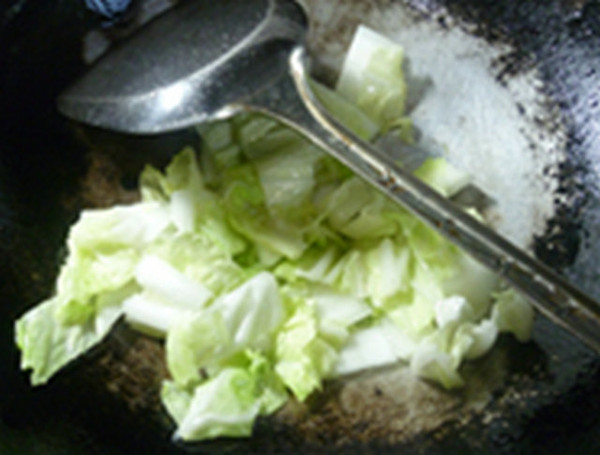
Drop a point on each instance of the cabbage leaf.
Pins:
(267, 267)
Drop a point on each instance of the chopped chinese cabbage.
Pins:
(267, 267)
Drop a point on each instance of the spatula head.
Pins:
(198, 61)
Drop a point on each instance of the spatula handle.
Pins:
(291, 100)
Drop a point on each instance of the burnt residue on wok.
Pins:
(539, 397)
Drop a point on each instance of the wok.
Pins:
(510, 89)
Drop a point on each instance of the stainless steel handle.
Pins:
(291, 100)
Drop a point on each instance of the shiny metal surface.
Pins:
(208, 60)
(187, 67)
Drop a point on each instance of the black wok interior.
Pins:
(42, 163)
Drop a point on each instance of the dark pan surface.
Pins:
(545, 398)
